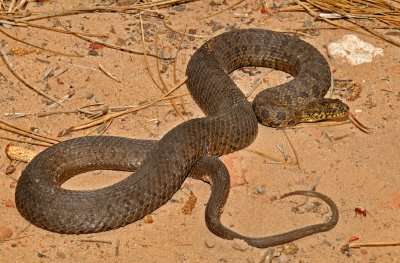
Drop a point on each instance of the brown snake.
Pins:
(190, 148)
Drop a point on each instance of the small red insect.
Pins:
(95, 45)
(60, 81)
(353, 238)
(360, 211)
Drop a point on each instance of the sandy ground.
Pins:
(355, 169)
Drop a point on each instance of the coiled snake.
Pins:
(190, 148)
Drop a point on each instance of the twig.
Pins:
(115, 46)
(39, 47)
(314, 14)
(108, 74)
(165, 85)
(375, 12)
(111, 9)
(6, 22)
(11, 6)
(20, 5)
(103, 127)
(23, 80)
(12, 128)
(145, 56)
(293, 149)
(15, 238)
(175, 63)
(96, 241)
(87, 112)
(117, 114)
(371, 31)
(70, 32)
(25, 141)
(281, 148)
(347, 247)
(265, 156)
(327, 28)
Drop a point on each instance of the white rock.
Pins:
(240, 245)
(354, 50)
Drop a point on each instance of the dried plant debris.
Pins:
(190, 204)
(356, 13)
(348, 89)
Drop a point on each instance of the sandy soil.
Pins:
(355, 169)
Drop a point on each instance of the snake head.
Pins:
(324, 109)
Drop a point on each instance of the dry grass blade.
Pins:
(118, 114)
(23, 80)
(175, 64)
(293, 149)
(114, 46)
(138, 7)
(266, 156)
(145, 56)
(108, 74)
(386, 12)
(15, 238)
(165, 90)
(20, 5)
(352, 11)
(25, 141)
(63, 31)
(39, 47)
(315, 14)
(165, 85)
(17, 130)
(347, 247)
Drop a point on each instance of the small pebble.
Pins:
(192, 32)
(166, 52)
(240, 245)
(148, 219)
(290, 249)
(210, 243)
(60, 254)
(89, 96)
(179, 7)
(5, 232)
(9, 203)
(10, 169)
(261, 190)
(41, 255)
(93, 52)
(283, 259)
(372, 258)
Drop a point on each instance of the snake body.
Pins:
(160, 167)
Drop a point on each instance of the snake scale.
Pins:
(191, 148)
